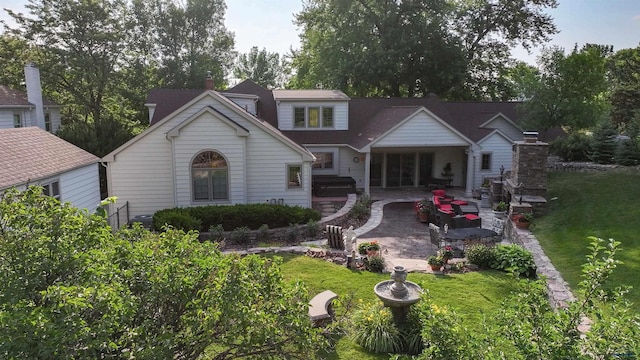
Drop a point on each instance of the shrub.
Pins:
(216, 233)
(375, 264)
(313, 228)
(263, 233)
(481, 255)
(178, 218)
(603, 145)
(516, 259)
(291, 235)
(241, 236)
(241, 215)
(575, 147)
(359, 210)
(374, 329)
(628, 153)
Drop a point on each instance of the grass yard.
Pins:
(606, 205)
(471, 294)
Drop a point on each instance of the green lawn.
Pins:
(606, 205)
(471, 294)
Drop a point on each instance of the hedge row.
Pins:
(231, 217)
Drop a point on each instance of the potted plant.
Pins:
(500, 210)
(446, 253)
(523, 221)
(423, 211)
(446, 171)
(436, 262)
(369, 248)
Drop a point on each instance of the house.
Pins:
(22, 109)
(32, 156)
(249, 144)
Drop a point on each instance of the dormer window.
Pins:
(313, 117)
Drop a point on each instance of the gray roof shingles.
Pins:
(369, 118)
(12, 97)
(31, 154)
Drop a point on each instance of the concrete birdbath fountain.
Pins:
(398, 293)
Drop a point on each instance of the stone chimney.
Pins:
(208, 81)
(34, 93)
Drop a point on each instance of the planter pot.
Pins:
(371, 253)
(423, 217)
(435, 267)
(499, 214)
(522, 224)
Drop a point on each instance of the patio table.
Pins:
(468, 233)
(470, 208)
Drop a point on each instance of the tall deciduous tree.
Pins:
(264, 68)
(72, 289)
(455, 48)
(624, 70)
(568, 90)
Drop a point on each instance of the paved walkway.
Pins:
(405, 241)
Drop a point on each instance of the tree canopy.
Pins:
(456, 49)
(71, 288)
(265, 68)
(566, 91)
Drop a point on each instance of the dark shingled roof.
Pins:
(31, 154)
(12, 97)
(369, 118)
(169, 100)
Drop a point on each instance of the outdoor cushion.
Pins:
(471, 216)
(460, 202)
(438, 192)
(445, 207)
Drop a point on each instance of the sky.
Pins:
(268, 24)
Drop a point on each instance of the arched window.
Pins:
(210, 177)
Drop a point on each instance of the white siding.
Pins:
(421, 130)
(81, 187)
(6, 117)
(249, 105)
(208, 133)
(501, 155)
(350, 168)
(336, 160)
(506, 127)
(143, 173)
(340, 114)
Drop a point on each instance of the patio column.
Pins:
(367, 173)
(471, 165)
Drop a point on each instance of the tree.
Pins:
(568, 91)
(624, 71)
(74, 289)
(456, 49)
(603, 144)
(264, 68)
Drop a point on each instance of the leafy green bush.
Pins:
(628, 153)
(313, 228)
(179, 218)
(375, 264)
(359, 210)
(481, 255)
(575, 147)
(216, 233)
(240, 215)
(516, 259)
(263, 233)
(241, 236)
(374, 329)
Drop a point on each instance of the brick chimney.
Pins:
(34, 93)
(208, 81)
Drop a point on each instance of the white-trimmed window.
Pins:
(294, 176)
(210, 177)
(313, 117)
(17, 121)
(324, 160)
(485, 163)
(52, 189)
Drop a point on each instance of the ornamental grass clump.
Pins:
(374, 329)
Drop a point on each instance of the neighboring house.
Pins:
(23, 109)
(249, 144)
(32, 156)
